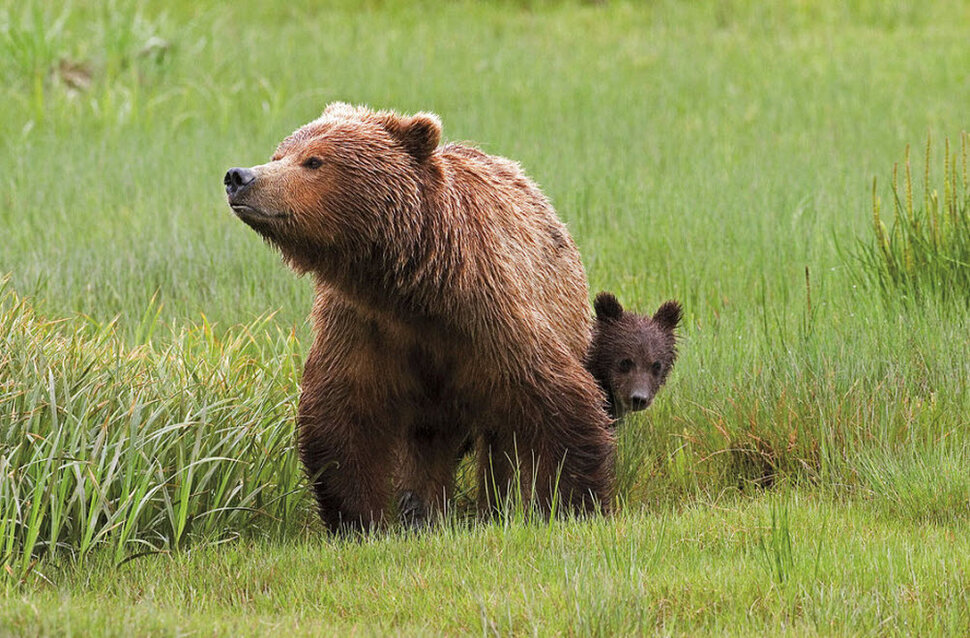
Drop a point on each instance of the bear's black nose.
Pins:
(237, 179)
(639, 402)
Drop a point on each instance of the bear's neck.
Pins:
(410, 272)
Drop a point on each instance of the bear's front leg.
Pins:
(429, 457)
(353, 413)
(349, 456)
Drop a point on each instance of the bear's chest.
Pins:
(427, 360)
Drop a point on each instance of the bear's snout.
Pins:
(237, 180)
(639, 401)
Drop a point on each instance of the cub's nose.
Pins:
(639, 401)
(237, 179)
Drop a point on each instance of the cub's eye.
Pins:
(656, 367)
(625, 366)
(312, 162)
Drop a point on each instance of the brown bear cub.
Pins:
(450, 303)
(631, 355)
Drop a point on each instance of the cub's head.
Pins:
(344, 182)
(631, 355)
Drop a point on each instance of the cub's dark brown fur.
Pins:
(450, 302)
(631, 355)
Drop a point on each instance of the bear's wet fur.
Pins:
(631, 354)
(450, 303)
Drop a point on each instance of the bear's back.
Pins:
(520, 243)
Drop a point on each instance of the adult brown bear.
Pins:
(450, 302)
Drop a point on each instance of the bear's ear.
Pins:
(418, 134)
(339, 108)
(607, 307)
(668, 315)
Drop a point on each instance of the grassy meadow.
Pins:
(805, 471)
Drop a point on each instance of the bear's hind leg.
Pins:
(568, 441)
(498, 471)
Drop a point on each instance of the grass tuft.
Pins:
(135, 449)
(926, 252)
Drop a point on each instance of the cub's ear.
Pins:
(668, 315)
(607, 307)
(419, 134)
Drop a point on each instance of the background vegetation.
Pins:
(804, 471)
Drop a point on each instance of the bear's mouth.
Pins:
(247, 213)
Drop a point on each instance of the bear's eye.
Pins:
(656, 367)
(626, 365)
(312, 162)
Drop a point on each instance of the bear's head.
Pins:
(631, 355)
(340, 185)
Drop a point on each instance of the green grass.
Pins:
(792, 564)
(719, 153)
